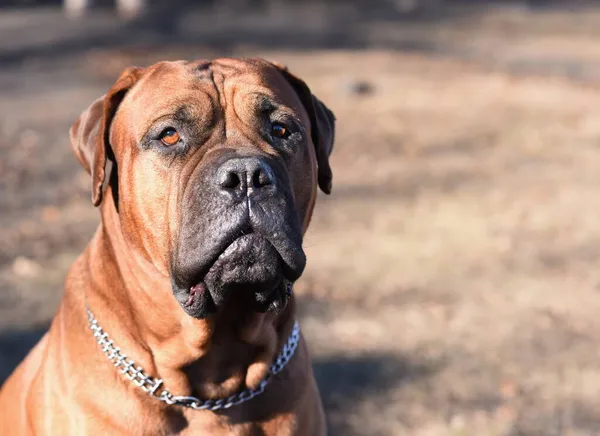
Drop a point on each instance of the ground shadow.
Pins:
(346, 381)
(14, 346)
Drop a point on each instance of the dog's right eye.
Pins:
(280, 131)
(169, 137)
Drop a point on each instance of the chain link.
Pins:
(151, 385)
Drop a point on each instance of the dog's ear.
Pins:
(322, 123)
(90, 133)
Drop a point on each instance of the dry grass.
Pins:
(462, 239)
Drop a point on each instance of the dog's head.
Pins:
(215, 167)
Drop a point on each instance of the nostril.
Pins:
(229, 180)
(248, 175)
(261, 178)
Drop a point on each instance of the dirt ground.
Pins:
(453, 284)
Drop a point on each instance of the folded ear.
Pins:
(322, 123)
(90, 133)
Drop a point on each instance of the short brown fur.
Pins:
(66, 386)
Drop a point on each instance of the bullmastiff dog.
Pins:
(179, 317)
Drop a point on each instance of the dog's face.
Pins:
(215, 172)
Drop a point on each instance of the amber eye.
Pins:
(279, 131)
(169, 137)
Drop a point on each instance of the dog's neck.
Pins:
(210, 358)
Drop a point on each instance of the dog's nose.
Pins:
(245, 176)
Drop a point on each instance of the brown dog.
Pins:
(206, 175)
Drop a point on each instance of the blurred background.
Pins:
(453, 285)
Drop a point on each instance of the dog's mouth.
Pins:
(200, 300)
(249, 269)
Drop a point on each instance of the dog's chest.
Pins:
(218, 426)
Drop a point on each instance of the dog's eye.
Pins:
(279, 131)
(169, 137)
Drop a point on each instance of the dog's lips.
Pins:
(195, 291)
(248, 265)
(249, 259)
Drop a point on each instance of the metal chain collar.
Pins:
(151, 385)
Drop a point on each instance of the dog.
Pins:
(179, 316)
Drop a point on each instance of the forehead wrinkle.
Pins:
(264, 79)
(229, 66)
(202, 69)
(164, 70)
(247, 134)
(266, 102)
(195, 108)
(234, 109)
(285, 93)
(163, 78)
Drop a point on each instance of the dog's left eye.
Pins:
(278, 130)
(169, 136)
